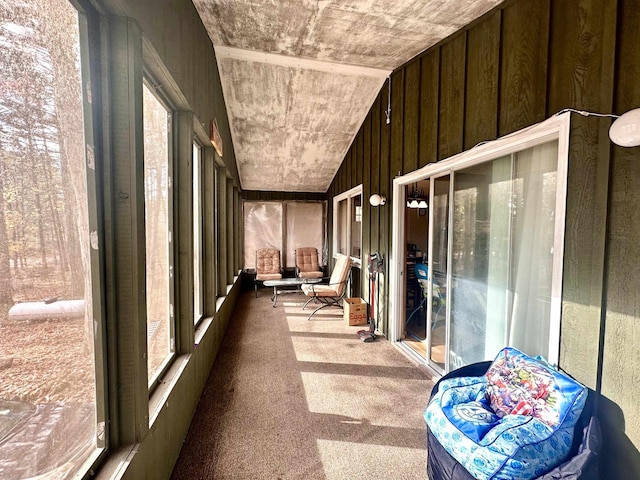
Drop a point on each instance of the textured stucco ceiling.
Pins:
(299, 76)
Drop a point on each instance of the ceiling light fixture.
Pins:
(416, 197)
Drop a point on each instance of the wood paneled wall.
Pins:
(257, 195)
(521, 63)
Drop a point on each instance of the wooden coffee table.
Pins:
(292, 285)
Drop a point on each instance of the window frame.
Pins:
(153, 85)
(90, 40)
(349, 197)
(198, 233)
(556, 128)
(89, 54)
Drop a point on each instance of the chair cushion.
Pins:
(310, 274)
(267, 261)
(307, 259)
(489, 444)
(319, 291)
(268, 276)
(340, 274)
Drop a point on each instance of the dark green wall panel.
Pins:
(429, 107)
(451, 111)
(483, 67)
(258, 195)
(397, 122)
(411, 116)
(374, 171)
(523, 74)
(620, 372)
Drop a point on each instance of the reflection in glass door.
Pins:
(502, 255)
(494, 264)
(438, 262)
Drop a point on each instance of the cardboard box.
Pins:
(355, 311)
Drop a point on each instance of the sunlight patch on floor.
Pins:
(326, 320)
(342, 460)
(367, 398)
(312, 349)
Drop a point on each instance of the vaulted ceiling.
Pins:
(299, 76)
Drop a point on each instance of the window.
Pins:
(221, 230)
(50, 282)
(198, 281)
(347, 223)
(158, 215)
(284, 226)
(305, 228)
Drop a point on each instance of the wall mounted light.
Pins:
(376, 200)
(625, 131)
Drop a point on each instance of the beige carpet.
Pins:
(295, 399)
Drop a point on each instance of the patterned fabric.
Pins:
(268, 264)
(518, 385)
(489, 445)
(307, 263)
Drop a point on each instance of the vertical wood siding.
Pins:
(518, 65)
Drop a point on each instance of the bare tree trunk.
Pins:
(50, 182)
(41, 235)
(6, 291)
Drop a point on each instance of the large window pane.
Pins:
(48, 402)
(305, 228)
(439, 268)
(343, 226)
(262, 229)
(502, 258)
(347, 223)
(160, 344)
(356, 225)
(198, 299)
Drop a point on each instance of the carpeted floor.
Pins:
(295, 399)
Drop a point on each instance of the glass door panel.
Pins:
(502, 255)
(480, 257)
(416, 267)
(438, 263)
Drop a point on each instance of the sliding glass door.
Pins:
(495, 230)
(502, 255)
(438, 271)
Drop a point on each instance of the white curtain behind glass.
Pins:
(304, 228)
(262, 229)
(534, 211)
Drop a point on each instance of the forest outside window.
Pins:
(52, 417)
(347, 223)
(198, 298)
(158, 226)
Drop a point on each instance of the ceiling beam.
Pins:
(242, 54)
